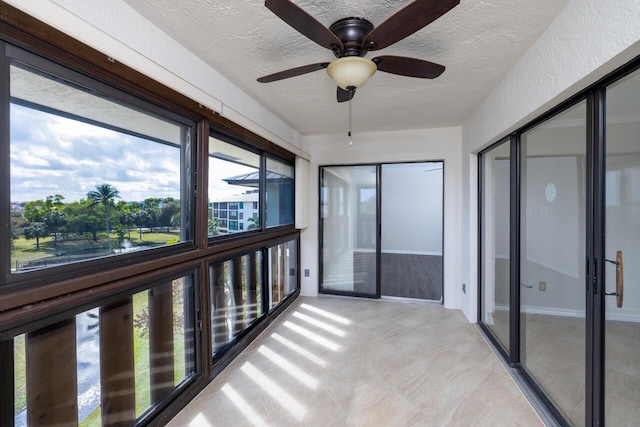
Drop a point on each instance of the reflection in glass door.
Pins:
(552, 253)
(348, 221)
(495, 242)
(622, 252)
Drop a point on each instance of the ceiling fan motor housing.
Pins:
(351, 31)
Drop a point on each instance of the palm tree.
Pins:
(254, 223)
(104, 195)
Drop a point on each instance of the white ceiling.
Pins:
(478, 42)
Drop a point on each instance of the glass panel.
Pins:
(622, 244)
(20, 381)
(283, 271)
(279, 193)
(88, 358)
(87, 173)
(411, 260)
(234, 179)
(552, 259)
(236, 297)
(348, 203)
(495, 242)
(128, 355)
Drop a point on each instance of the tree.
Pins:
(34, 210)
(168, 209)
(254, 223)
(35, 230)
(82, 218)
(152, 207)
(104, 195)
(142, 219)
(213, 226)
(17, 222)
(54, 220)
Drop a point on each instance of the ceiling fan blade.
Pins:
(292, 72)
(345, 95)
(306, 24)
(410, 67)
(407, 21)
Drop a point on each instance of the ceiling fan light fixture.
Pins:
(351, 71)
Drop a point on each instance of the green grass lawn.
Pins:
(25, 250)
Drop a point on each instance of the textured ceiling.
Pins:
(478, 42)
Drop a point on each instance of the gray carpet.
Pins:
(411, 276)
(407, 276)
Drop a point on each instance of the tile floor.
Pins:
(350, 362)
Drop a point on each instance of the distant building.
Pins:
(234, 212)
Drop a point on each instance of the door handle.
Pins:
(619, 293)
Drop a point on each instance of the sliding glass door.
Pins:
(381, 230)
(621, 280)
(411, 254)
(349, 237)
(552, 252)
(568, 210)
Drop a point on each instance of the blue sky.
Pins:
(55, 155)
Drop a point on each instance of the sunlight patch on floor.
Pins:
(319, 324)
(312, 336)
(289, 367)
(242, 405)
(326, 314)
(276, 391)
(300, 350)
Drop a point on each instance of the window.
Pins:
(155, 333)
(236, 297)
(234, 174)
(122, 343)
(90, 176)
(283, 271)
(279, 193)
(240, 177)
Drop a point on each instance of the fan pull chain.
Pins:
(349, 134)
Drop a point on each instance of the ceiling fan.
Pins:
(350, 39)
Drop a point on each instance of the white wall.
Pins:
(412, 208)
(412, 145)
(588, 39)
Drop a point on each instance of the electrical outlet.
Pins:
(306, 272)
(542, 286)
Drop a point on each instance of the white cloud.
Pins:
(57, 155)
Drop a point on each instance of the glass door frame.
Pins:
(378, 256)
(595, 258)
(378, 166)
